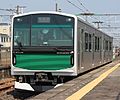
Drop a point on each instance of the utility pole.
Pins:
(19, 9)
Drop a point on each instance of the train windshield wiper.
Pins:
(62, 49)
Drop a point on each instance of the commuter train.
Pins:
(51, 46)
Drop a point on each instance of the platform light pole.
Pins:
(56, 7)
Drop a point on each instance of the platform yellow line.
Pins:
(83, 91)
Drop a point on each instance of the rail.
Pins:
(6, 85)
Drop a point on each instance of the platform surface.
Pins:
(107, 89)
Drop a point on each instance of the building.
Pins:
(5, 34)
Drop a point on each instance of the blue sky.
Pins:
(96, 6)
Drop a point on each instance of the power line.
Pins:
(91, 15)
(75, 5)
(82, 5)
(79, 7)
(87, 14)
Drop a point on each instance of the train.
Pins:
(50, 46)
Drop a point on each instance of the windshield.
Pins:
(43, 30)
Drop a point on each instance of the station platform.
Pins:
(100, 84)
(108, 89)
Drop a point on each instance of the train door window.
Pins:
(104, 44)
(96, 43)
(82, 31)
(86, 41)
(90, 40)
(98, 46)
(110, 46)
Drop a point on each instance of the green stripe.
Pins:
(43, 62)
(51, 26)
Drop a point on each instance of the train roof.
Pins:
(89, 24)
(44, 12)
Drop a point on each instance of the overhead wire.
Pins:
(84, 10)
(89, 11)
(82, 5)
(75, 5)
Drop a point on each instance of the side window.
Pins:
(1, 39)
(98, 44)
(106, 45)
(110, 46)
(86, 41)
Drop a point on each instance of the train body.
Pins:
(55, 45)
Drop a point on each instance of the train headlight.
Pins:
(19, 19)
(14, 60)
(68, 19)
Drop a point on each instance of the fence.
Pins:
(5, 63)
(5, 57)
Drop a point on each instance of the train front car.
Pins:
(43, 47)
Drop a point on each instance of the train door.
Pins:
(104, 53)
(82, 47)
(100, 49)
(93, 48)
(78, 49)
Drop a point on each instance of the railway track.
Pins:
(6, 85)
(7, 91)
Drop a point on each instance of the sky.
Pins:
(95, 6)
(92, 6)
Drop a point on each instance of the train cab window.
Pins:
(52, 30)
(86, 41)
(21, 31)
